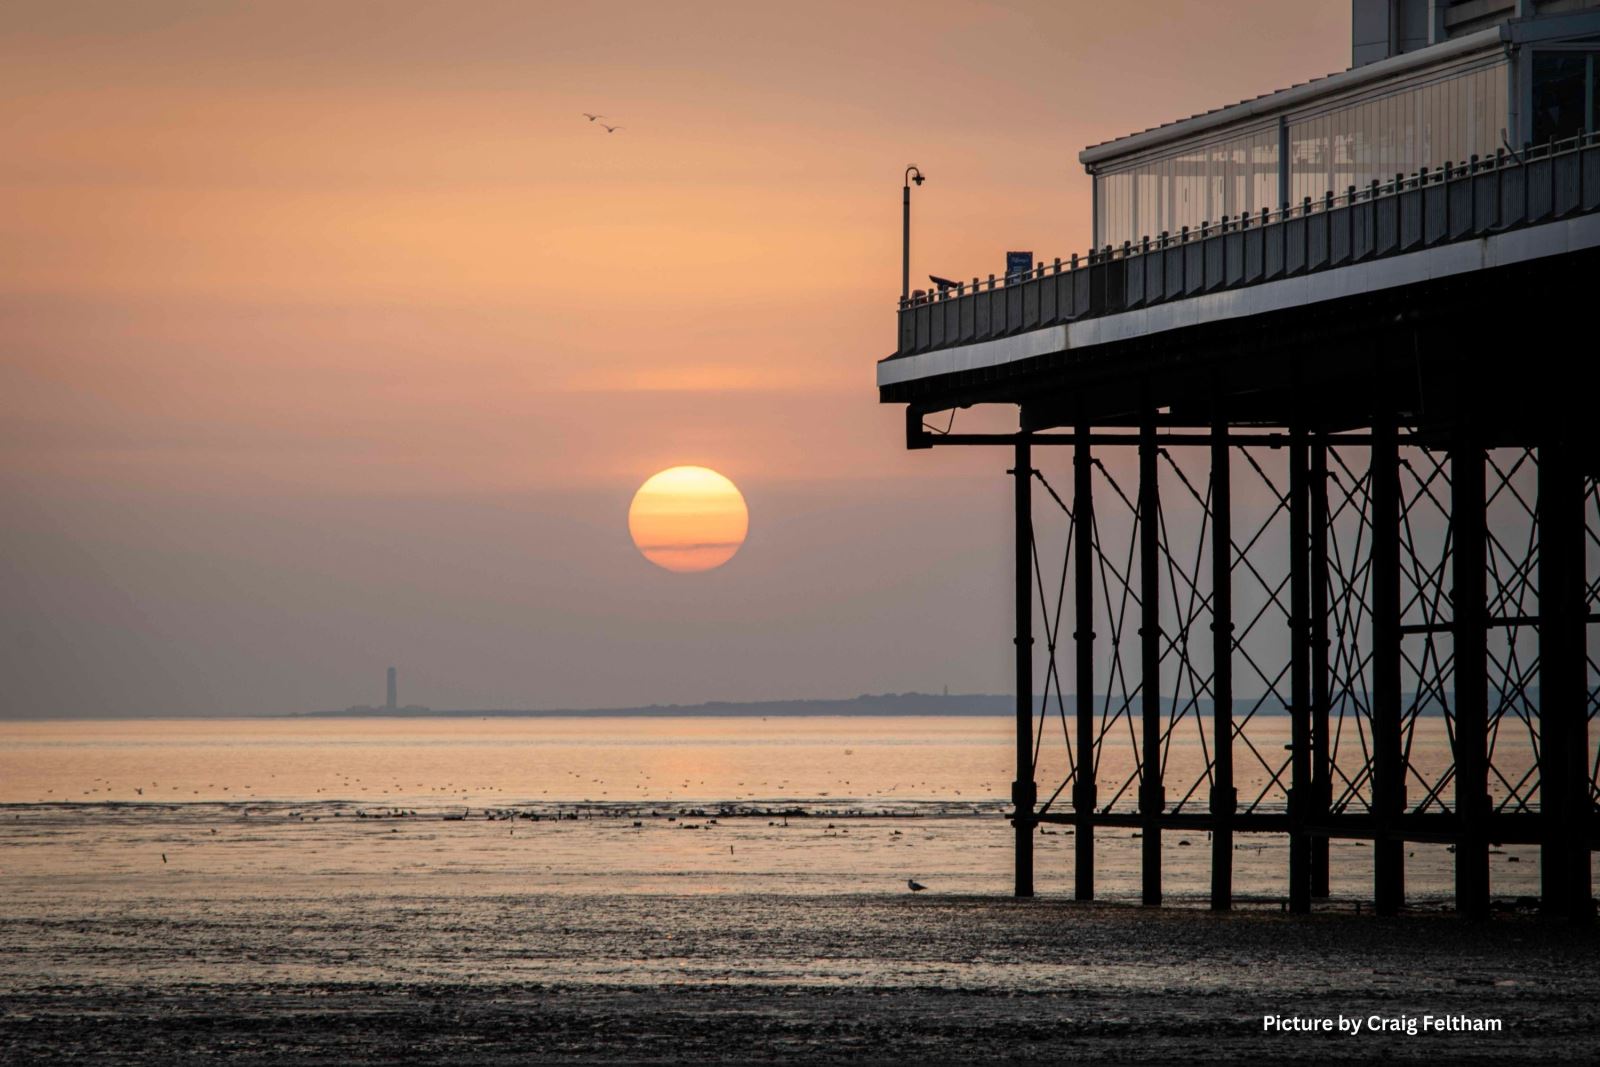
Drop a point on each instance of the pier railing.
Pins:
(1456, 202)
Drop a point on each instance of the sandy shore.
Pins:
(734, 978)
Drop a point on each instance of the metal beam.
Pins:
(1563, 683)
(1321, 748)
(1084, 795)
(1151, 792)
(1024, 793)
(1388, 777)
(1429, 827)
(1299, 675)
(1224, 796)
(1552, 782)
(1470, 624)
(930, 439)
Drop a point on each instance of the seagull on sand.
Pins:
(914, 885)
(611, 129)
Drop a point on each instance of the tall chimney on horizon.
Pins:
(391, 702)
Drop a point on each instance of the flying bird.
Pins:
(611, 129)
(591, 118)
(914, 885)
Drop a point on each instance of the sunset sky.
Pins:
(332, 336)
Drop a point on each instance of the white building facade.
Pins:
(1520, 81)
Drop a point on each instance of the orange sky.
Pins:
(332, 335)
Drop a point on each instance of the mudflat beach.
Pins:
(419, 893)
(513, 978)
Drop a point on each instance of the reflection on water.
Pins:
(452, 807)
(507, 761)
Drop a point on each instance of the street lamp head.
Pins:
(914, 175)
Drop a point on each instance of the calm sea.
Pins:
(594, 805)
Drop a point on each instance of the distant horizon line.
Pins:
(865, 705)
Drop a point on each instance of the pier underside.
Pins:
(1496, 347)
(1348, 540)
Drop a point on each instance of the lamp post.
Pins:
(912, 175)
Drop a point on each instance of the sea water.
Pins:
(703, 805)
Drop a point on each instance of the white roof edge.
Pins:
(1284, 99)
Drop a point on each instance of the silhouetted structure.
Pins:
(1358, 481)
(392, 702)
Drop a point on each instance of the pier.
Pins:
(1333, 459)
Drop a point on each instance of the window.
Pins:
(1564, 94)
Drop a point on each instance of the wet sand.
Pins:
(427, 894)
(368, 978)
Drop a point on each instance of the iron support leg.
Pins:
(1224, 798)
(1388, 783)
(1321, 765)
(1299, 676)
(1469, 604)
(1151, 800)
(1563, 698)
(1024, 793)
(1083, 790)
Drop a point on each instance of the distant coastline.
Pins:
(866, 704)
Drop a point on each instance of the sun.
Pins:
(688, 519)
